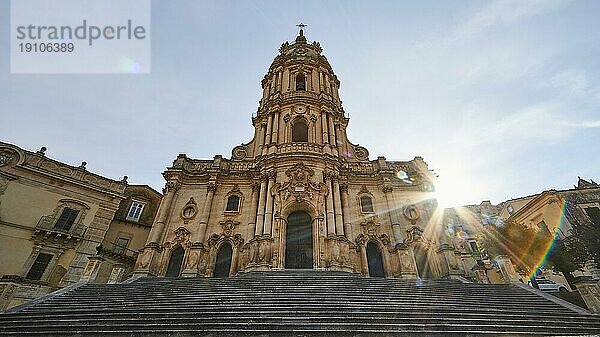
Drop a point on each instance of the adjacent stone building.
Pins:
(298, 195)
(53, 217)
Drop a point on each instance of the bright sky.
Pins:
(501, 98)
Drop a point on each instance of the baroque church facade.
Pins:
(299, 195)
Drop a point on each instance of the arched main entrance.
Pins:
(174, 267)
(298, 241)
(223, 263)
(375, 260)
(422, 260)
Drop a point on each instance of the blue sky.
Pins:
(501, 98)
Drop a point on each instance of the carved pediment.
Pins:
(181, 234)
(300, 185)
(228, 227)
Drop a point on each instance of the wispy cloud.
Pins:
(585, 125)
(502, 12)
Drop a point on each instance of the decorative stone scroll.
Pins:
(360, 153)
(7, 157)
(239, 152)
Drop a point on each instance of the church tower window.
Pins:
(366, 204)
(300, 132)
(300, 82)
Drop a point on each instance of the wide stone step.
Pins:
(282, 311)
(329, 327)
(297, 319)
(300, 303)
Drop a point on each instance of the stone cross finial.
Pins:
(301, 26)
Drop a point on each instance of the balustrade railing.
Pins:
(300, 147)
(48, 223)
(361, 167)
(114, 248)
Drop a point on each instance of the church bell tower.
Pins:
(300, 103)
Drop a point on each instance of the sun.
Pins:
(453, 189)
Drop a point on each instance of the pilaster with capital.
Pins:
(171, 188)
(269, 205)
(339, 221)
(329, 204)
(255, 196)
(260, 214)
(388, 191)
(204, 217)
(346, 210)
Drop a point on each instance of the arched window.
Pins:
(366, 204)
(300, 82)
(233, 203)
(300, 132)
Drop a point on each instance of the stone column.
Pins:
(269, 129)
(275, 138)
(394, 219)
(163, 211)
(252, 225)
(260, 214)
(330, 212)
(331, 131)
(321, 84)
(346, 210)
(318, 132)
(269, 206)
(340, 140)
(324, 127)
(261, 136)
(279, 76)
(281, 134)
(364, 263)
(339, 221)
(205, 215)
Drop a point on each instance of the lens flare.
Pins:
(130, 66)
(551, 242)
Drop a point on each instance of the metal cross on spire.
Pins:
(301, 26)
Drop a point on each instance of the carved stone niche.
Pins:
(300, 185)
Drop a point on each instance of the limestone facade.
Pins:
(52, 216)
(116, 255)
(298, 195)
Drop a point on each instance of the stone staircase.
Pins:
(295, 303)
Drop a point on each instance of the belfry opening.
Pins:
(299, 247)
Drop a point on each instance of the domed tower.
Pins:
(299, 195)
(300, 105)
